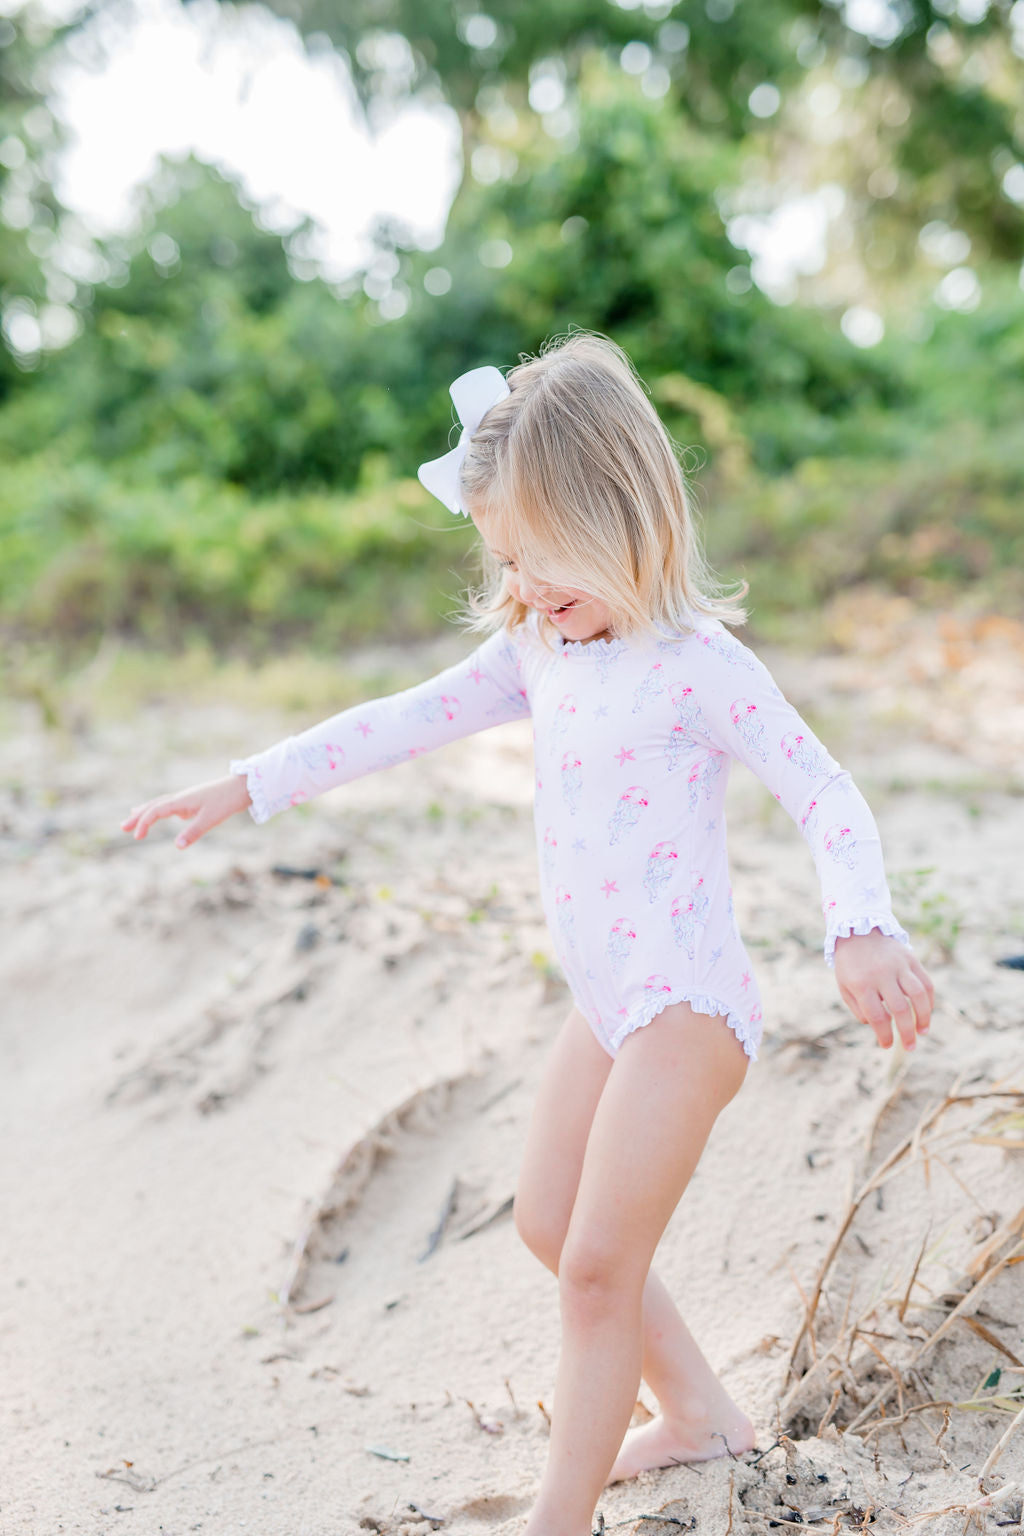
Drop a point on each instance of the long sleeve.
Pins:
(740, 710)
(483, 690)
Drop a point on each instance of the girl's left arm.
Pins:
(879, 976)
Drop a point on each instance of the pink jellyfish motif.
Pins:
(842, 845)
(572, 781)
(702, 776)
(662, 862)
(809, 820)
(690, 911)
(650, 687)
(688, 711)
(550, 849)
(657, 984)
(324, 755)
(620, 943)
(563, 914)
(632, 803)
(680, 745)
(807, 754)
(607, 653)
(729, 648)
(564, 716)
(394, 758)
(745, 718)
(438, 706)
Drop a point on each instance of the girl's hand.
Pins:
(204, 806)
(882, 982)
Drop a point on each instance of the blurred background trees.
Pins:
(200, 434)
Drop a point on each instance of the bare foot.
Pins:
(666, 1442)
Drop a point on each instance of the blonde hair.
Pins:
(582, 478)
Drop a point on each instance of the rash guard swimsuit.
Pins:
(633, 742)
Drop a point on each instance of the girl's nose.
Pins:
(528, 591)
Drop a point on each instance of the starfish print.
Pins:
(365, 727)
(600, 711)
(711, 826)
(625, 755)
(610, 888)
(476, 674)
(716, 954)
(579, 846)
(745, 980)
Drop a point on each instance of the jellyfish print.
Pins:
(650, 687)
(607, 654)
(809, 819)
(662, 863)
(658, 984)
(572, 781)
(564, 716)
(620, 943)
(323, 755)
(550, 849)
(438, 706)
(729, 648)
(747, 721)
(688, 713)
(680, 745)
(632, 803)
(690, 911)
(841, 844)
(702, 776)
(808, 755)
(564, 916)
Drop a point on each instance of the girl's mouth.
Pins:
(560, 613)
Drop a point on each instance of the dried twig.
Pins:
(438, 1232)
(913, 1274)
(999, 1447)
(883, 1393)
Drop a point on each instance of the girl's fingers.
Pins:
(898, 1004)
(156, 810)
(194, 830)
(871, 1009)
(922, 997)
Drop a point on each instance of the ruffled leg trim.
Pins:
(747, 1033)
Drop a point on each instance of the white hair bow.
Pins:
(473, 393)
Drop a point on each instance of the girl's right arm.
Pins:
(203, 806)
(483, 690)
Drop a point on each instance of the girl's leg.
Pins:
(660, 1100)
(696, 1410)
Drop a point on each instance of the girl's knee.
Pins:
(541, 1229)
(594, 1277)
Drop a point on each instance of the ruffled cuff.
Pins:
(259, 810)
(843, 929)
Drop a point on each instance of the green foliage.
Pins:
(928, 912)
(227, 451)
(83, 552)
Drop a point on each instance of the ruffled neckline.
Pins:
(582, 647)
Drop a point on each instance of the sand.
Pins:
(260, 1133)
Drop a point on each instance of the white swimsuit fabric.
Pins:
(633, 740)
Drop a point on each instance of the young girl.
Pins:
(606, 628)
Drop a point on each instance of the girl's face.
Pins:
(577, 615)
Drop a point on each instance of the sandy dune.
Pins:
(261, 1131)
